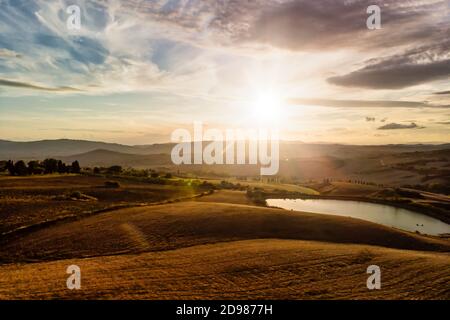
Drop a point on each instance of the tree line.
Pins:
(48, 166)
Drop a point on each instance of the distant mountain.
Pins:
(387, 164)
(65, 147)
(106, 158)
(292, 149)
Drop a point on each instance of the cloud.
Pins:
(296, 25)
(24, 85)
(442, 92)
(364, 103)
(84, 130)
(328, 24)
(413, 67)
(5, 53)
(370, 119)
(175, 42)
(394, 76)
(395, 126)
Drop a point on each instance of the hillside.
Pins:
(254, 269)
(184, 224)
(219, 246)
(66, 147)
(106, 158)
(426, 166)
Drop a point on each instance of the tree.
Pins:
(61, 167)
(34, 167)
(20, 168)
(50, 166)
(10, 167)
(3, 166)
(76, 167)
(96, 170)
(115, 170)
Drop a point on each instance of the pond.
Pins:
(377, 213)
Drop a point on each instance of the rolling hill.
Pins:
(66, 147)
(395, 165)
(195, 250)
(106, 158)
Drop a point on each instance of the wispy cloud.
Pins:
(395, 126)
(192, 59)
(364, 103)
(24, 85)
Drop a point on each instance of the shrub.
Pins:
(76, 195)
(115, 170)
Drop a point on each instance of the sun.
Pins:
(267, 108)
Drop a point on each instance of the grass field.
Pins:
(216, 246)
(255, 269)
(269, 186)
(25, 201)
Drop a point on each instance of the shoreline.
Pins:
(415, 208)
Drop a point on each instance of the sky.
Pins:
(137, 70)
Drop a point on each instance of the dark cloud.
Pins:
(413, 67)
(302, 24)
(370, 119)
(24, 85)
(394, 126)
(442, 92)
(363, 103)
(394, 76)
(318, 25)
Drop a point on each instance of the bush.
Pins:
(76, 195)
(115, 170)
